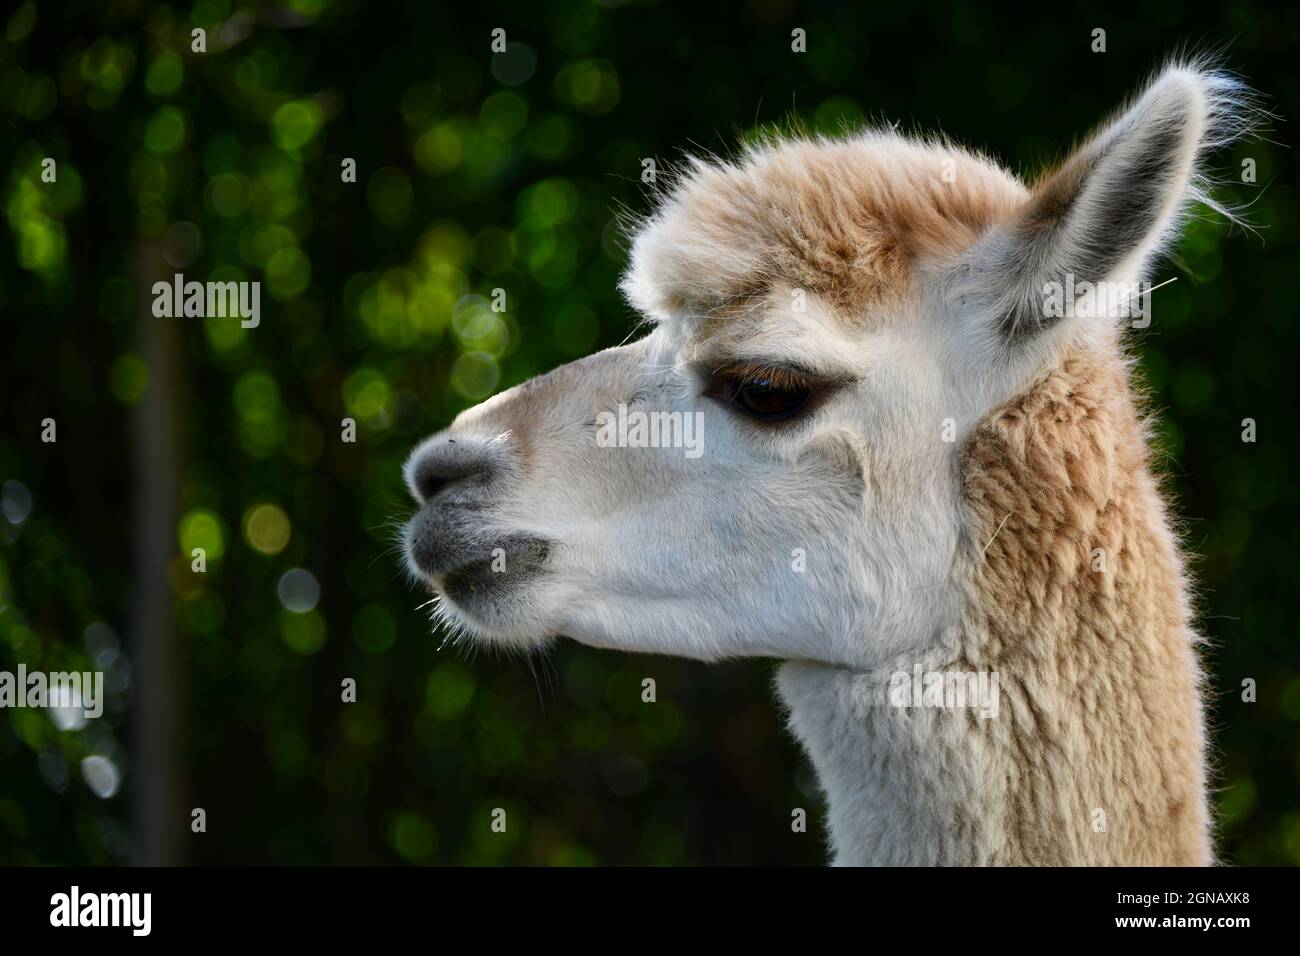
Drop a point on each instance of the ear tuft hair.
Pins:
(1116, 204)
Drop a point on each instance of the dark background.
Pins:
(477, 172)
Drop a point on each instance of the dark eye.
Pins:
(767, 400)
(765, 392)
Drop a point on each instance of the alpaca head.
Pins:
(830, 318)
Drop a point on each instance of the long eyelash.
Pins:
(745, 373)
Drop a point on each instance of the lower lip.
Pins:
(480, 577)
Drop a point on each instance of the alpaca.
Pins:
(908, 465)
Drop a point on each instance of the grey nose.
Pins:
(443, 462)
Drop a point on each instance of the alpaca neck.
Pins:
(911, 780)
(890, 799)
(1070, 590)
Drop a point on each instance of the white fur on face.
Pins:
(824, 540)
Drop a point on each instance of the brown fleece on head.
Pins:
(845, 220)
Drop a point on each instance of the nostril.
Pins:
(440, 468)
(429, 485)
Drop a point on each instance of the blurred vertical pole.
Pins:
(156, 732)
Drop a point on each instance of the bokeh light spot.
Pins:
(296, 124)
(298, 590)
(201, 528)
(266, 528)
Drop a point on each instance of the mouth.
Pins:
(450, 549)
(515, 562)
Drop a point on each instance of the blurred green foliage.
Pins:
(477, 171)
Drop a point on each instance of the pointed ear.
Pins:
(1112, 207)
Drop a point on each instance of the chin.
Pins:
(477, 604)
(487, 586)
